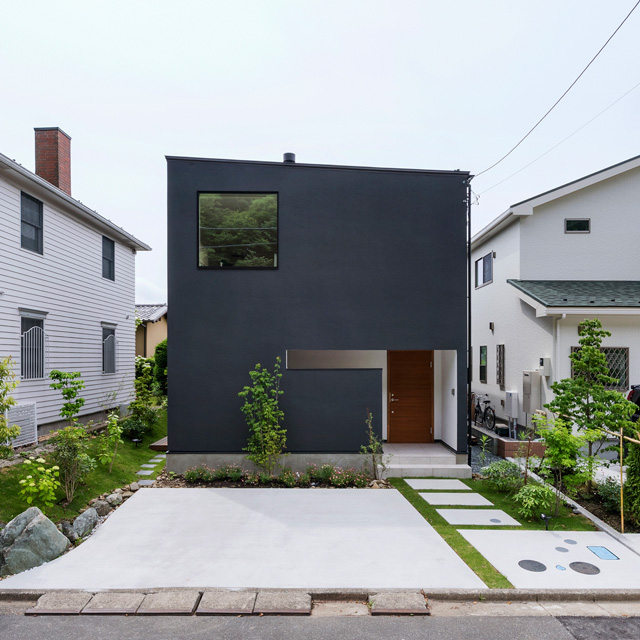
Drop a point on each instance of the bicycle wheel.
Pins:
(490, 418)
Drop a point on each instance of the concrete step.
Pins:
(438, 459)
(429, 471)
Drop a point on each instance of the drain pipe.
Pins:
(469, 320)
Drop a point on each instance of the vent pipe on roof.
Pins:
(289, 157)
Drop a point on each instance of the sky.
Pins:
(419, 84)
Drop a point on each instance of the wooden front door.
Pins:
(409, 396)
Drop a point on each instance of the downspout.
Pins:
(469, 321)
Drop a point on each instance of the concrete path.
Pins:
(258, 538)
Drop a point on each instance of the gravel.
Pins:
(476, 463)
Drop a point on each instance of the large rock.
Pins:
(85, 522)
(102, 507)
(28, 541)
(66, 528)
(114, 499)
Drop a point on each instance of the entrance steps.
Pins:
(420, 460)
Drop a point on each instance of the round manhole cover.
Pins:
(585, 567)
(532, 565)
(569, 541)
(562, 549)
(496, 520)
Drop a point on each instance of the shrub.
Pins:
(304, 480)
(110, 440)
(198, 474)
(266, 478)
(40, 483)
(134, 428)
(533, 499)
(632, 485)
(288, 478)
(71, 455)
(160, 368)
(503, 475)
(7, 385)
(324, 473)
(312, 471)
(251, 478)
(234, 472)
(609, 492)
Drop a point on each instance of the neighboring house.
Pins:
(541, 268)
(67, 280)
(356, 277)
(152, 329)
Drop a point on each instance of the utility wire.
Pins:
(535, 126)
(561, 141)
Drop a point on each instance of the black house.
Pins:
(355, 277)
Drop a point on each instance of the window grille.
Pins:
(109, 351)
(500, 365)
(618, 364)
(34, 350)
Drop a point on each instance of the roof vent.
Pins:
(289, 157)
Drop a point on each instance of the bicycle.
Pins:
(485, 417)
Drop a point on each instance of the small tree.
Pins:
(267, 438)
(110, 440)
(72, 457)
(373, 449)
(69, 384)
(7, 385)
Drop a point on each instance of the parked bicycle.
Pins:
(485, 415)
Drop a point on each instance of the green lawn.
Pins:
(99, 481)
(566, 521)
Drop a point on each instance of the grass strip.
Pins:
(469, 554)
(97, 482)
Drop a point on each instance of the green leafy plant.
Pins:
(251, 478)
(39, 483)
(632, 484)
(324, 473)
(69, 384)
(198, 474)
(484, 448)
(110, 440)
(533, 499)
(160, 368)
(503, 475)
(72, 457)
(7, 385)
(288, 478)
(374, 449)
(609, 492)
(267, 438)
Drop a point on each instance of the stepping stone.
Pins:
(114, 603)
(420, 484)
(148, 466)
(146, 483)
(161, 455)
(283, 603)
(460, 499)
(60, 603)
(227, 603)
(398, 603)
(183, 602)
(157, 460)
(144, 472)
(484, 517)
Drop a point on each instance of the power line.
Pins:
(526, 166)
(535, 126)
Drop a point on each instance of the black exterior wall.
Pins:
(367, 259)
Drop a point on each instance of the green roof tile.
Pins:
(581, 293)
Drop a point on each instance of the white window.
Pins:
(34, 345)
(109, 364)
(484, 270)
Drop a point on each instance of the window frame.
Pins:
(38, 227)
(109, 330)
(482, 368)
(36, 319)
(246, 194)
(488, 258)
(572, 231)
(500, 365)
(108, 262)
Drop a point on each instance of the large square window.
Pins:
(30, 223)
(238, 230)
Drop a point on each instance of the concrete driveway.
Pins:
(258, 538)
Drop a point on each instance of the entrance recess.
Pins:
(410, 396)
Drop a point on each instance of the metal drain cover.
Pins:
(532, 565)
(585, 567)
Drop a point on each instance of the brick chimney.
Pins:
(53, 157)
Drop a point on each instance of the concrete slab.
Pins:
(482, 517)
(144, 472)
(65, 603)
(620, 608)
(119, 603)
(166, 603)
(459, 499)
(582, 609)
(148, 466)
(282, 603)
(438, 484)
(398, 603)
(146, 483)
(227, 603)
(256, 539)
(452, 608)
(633, 540)
(157, 460)
(557, 560)
(329, 608)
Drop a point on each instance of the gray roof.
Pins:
(581, 293)
(151, 312)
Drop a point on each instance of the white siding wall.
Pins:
(67, 283)
(526, 338)
(609, 252)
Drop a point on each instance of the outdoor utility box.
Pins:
(545, 367)
(511, 404)
(531, 400)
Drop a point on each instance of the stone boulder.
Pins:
(66, 528)
(85, 522)
(102, 507)
(28, 541)
(114, 499)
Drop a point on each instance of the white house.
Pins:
(542, 267)
(67, 280)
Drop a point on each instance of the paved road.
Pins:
(278, 628)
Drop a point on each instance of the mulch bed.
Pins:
(594, 505)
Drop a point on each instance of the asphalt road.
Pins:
(330, 628)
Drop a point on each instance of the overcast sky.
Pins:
(405, 83)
